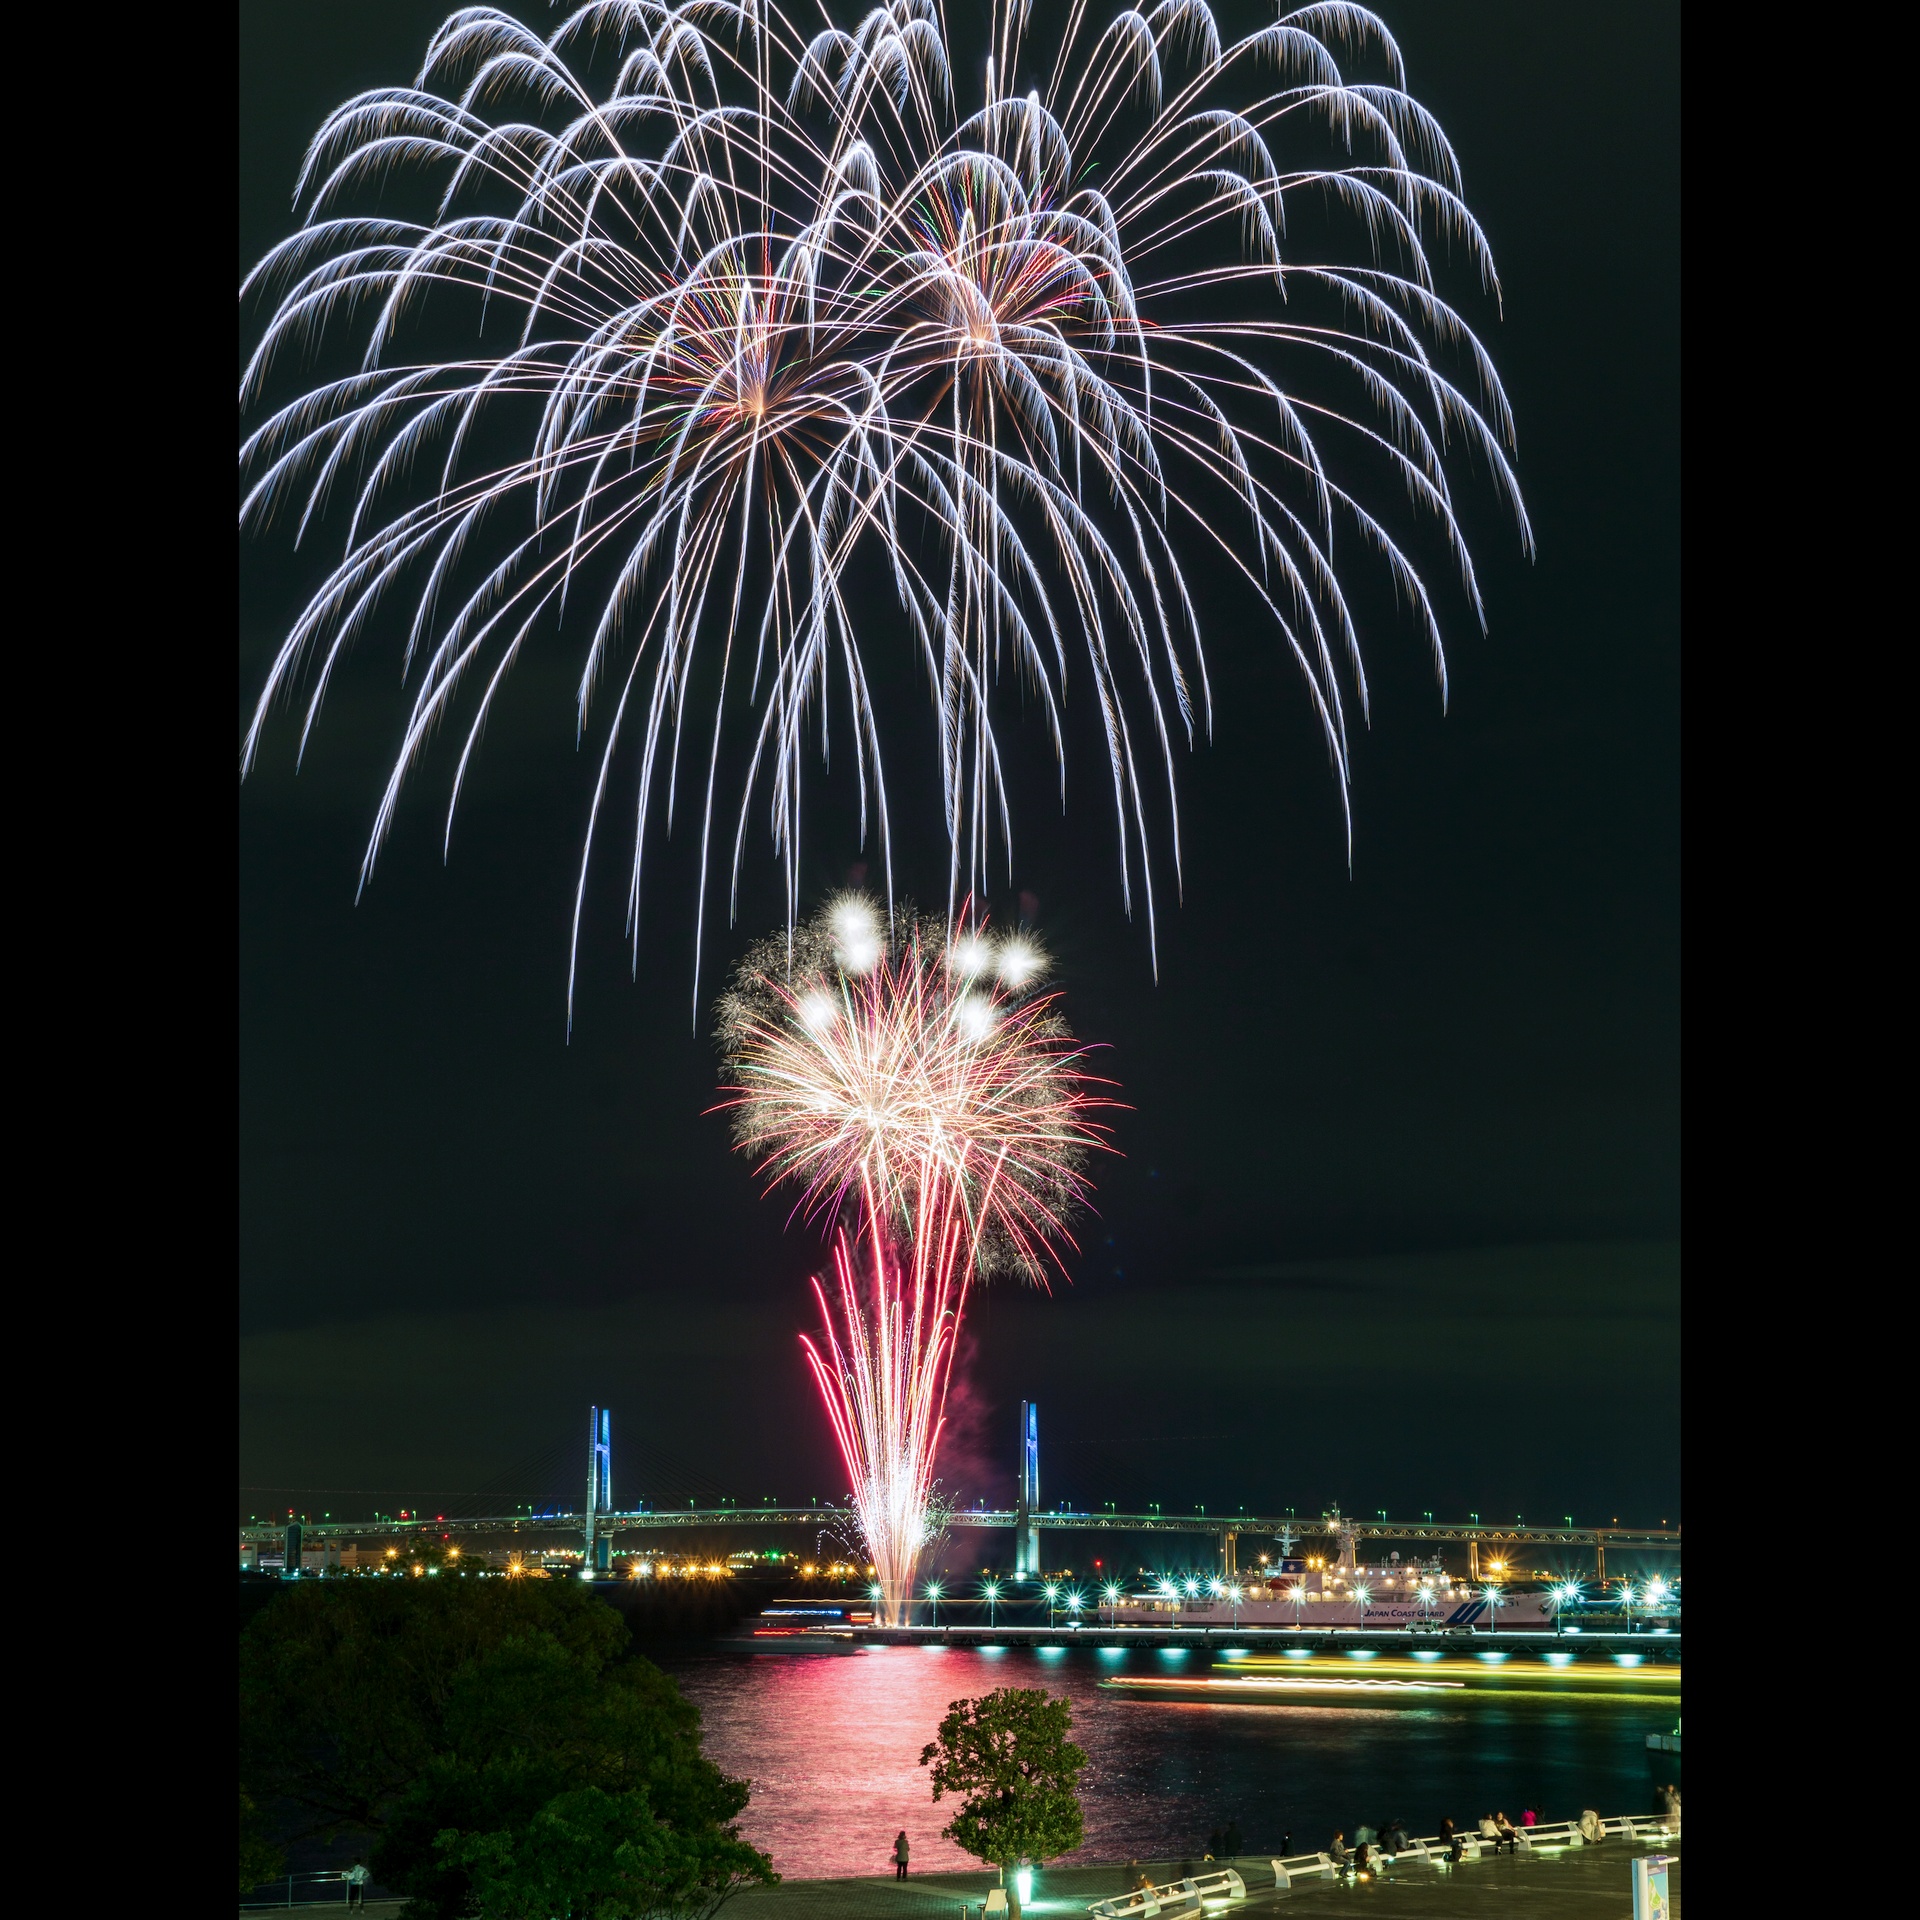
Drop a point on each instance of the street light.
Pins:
(992, 1591)
(1053, 1594)
(1074, 1603)
(1236, 1595)
(1362, 1594)
(1568, 1595)
(1299, 1598)
(1426, 1601)
(1490, 1593)
(1112, 1592)
(933, 1594)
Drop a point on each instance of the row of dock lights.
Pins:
(1073, 1600)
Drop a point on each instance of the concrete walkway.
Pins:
(1581, 1883)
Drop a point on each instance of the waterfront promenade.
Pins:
(1582, 1883)
(1586, 1883)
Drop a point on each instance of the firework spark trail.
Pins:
(912, 1085)
(882, 1370)
(682, 288)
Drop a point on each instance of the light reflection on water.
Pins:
(832, 1744)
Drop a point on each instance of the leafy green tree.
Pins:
(1008, 1755)
(589, 1852)
(459, 1722)
(260, 1859)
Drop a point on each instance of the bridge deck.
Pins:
(999, 1519)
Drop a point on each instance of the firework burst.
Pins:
(887, 1076)
(914, 1086)
(658, 323)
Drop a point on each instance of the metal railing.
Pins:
(331, 1888)
(1189, 1898)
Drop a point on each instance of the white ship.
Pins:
(1406, 1595)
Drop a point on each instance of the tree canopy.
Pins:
(1007, 1754)
(501, 1743)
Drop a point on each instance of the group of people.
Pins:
(1369, 1843)
(1495, 1830)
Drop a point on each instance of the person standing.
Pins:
(900, 1851)
(356, 1886)
(1670, 1805)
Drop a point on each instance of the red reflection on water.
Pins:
(831, 1745)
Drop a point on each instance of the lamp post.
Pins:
(1426, 1600)
(1299, 1598)
(933, 1594)
(992, 1591)
(1236, 1594)
(1626, 1602)
(1490, 1593)
(1569, 1596)
(1053, 1594)
(1361, 1595)
(1112, 1593)
(1074, 1603)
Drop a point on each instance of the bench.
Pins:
(1178, 1900)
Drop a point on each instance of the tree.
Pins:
(589, 1852)
(260, 1859)
(1008, 1754)
(477, 1730)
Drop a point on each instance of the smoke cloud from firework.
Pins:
(916, 1090)
(656, 324)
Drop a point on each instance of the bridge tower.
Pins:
(599, 1488)
(1026, 1529)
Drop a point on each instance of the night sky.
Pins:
(1397, 1217)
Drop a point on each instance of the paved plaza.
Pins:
(1581, 1883)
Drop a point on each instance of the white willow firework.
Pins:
(666, 323)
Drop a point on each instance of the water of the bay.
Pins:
(831, 1746)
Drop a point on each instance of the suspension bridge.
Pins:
(600, 1526)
